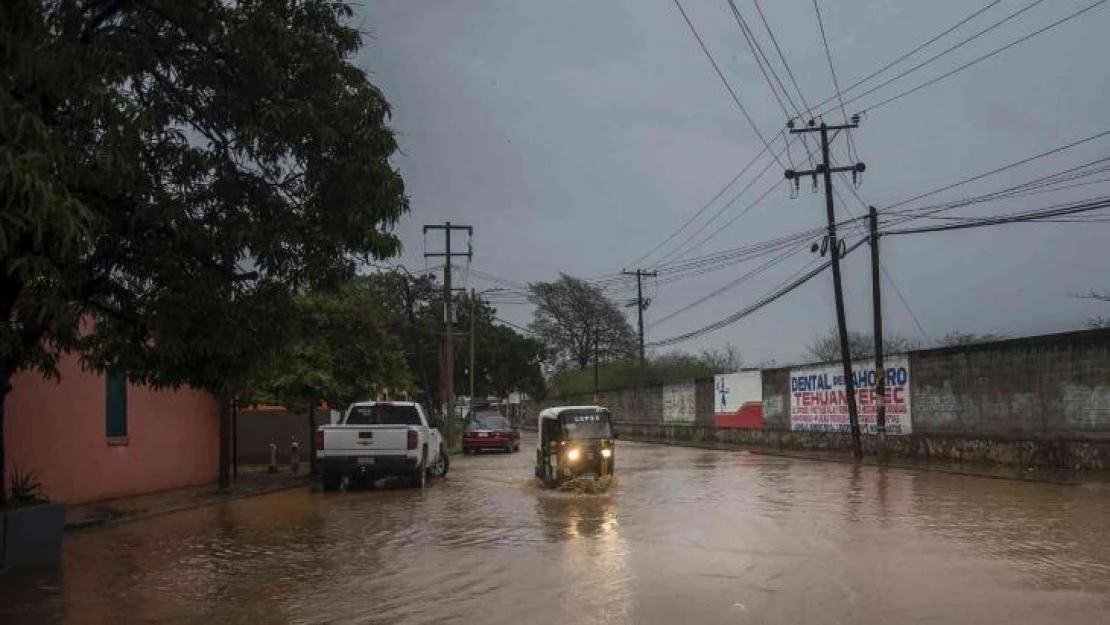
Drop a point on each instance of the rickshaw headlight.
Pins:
(606, 453)
(573, 454)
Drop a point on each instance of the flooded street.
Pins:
(685, 536)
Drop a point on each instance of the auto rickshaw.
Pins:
(574, 442)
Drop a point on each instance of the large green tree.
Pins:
(342, 350)
(151, 152)
(575, 320)
(505, 361)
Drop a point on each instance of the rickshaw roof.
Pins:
(553, 413)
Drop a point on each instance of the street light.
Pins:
(474, 298)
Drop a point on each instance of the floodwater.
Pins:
(685, 536)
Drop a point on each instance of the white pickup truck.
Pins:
(381, 439)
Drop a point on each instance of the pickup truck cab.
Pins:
(381, 439)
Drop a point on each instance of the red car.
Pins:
(490, 431)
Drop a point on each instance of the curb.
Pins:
(801, 455)
(99, 521)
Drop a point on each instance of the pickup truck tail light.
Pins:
(412, 440)
(319, 439)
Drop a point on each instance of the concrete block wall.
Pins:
(703, 402)
(1041, 401)
(1043, 387)
(776, 398)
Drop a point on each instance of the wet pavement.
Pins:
(685, 536)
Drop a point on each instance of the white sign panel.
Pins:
(678, 402)
(738, 400)
(818, 401)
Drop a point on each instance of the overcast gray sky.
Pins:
(576, 135)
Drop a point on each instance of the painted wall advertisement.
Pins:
(818, 401)
(738, 400)
(678, 403)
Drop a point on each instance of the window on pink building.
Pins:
(115, 412)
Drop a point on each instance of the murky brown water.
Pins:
(686, 536)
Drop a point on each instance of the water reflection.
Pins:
(685, 536)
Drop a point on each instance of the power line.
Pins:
(782, 291)
(514, 326)
(746, 210)
(782, 57)
(984, 57)
(1000, 169)
(906, 304)
(674, 251)
(836, 83)
(1060, 210)
(1037, 185)
(906, 55)
(761, 59)
(731, 91)
(944, 52)
(704, 207)
(732, 284)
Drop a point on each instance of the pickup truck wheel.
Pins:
(329, 480)
(442, 464)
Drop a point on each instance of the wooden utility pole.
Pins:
(597, 352)
(641, 304)
(877, 313)
(826, 170)
(447, 353)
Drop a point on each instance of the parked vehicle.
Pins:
(381, 439)
(574, 442)
(489, 430)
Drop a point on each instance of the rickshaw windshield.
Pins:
(586, 425)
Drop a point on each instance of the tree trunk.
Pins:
(225, 442)
(310, 442)
(5, 386)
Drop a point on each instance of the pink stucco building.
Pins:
(91, 436)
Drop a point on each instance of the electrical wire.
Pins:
(765, 301)
(1070, 208)
(766, 67)
(731, 91)
(992, 172)
(980, 59)
(782, 57)
(836, 83)
(720, 211)
(732, 284)
(704, 207)
(944, 52)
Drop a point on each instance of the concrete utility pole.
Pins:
(826, 170)
(447, 353)
(877, 313)
(640, 303)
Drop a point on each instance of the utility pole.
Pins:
(826, 170)
(597, 352)
(473, 314)
(877, 313)
(640, 303)
(447, 353)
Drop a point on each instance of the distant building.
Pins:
(91, 436)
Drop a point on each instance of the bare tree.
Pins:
(826, 347)
(571, 314)
(957, 337)
(722, 359)
(1099, 296)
